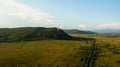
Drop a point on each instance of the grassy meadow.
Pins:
(108, 52)
(108, 49)
(46, 53)
(61, 53)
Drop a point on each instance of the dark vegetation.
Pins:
(35, 33)
(32, 33)
(75, 31)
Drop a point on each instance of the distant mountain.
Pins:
(117, 31)
(32, 33)
(75, 31)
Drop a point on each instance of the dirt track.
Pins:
(91, 61)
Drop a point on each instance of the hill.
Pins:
(75, 31)
(31, 33)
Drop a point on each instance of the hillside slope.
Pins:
(31, 33)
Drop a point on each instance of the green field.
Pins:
(108, 49)
(108, 52)
(62, 53)
(46, 53)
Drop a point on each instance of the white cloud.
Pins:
(100, 26)
(83, 26)
(14, 13)
(110, 25)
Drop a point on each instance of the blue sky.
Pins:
(78, 14)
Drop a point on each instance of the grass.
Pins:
(108, 53)
(46, 53)
(108, 49)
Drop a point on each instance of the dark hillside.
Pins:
(15, 34)
(31, 33)
(48, 33)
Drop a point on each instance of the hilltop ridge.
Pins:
(32, 33)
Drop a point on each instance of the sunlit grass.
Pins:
(108, 49)
(108, 53)
(48, 53)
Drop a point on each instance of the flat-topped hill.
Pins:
(32, 33)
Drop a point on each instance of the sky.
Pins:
(65, 14)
